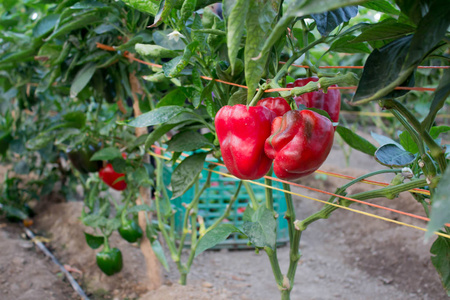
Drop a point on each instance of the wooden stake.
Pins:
(154, 273)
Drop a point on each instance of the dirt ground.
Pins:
(348, 256)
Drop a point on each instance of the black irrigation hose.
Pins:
(44, 249)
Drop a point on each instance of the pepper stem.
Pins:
(106, 244)
(258, 95)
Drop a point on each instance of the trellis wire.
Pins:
(329, 203)
(422, 89)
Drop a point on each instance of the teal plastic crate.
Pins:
(214, 200)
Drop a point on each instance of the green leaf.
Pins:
(430, 31)
(5, 141)
(383, 71)
(81, 21)
(385, 30)
(187, 141)
(112, 224)
(328, 21)
(41, 141)
(414, 9)
(187, 9)
(160, 255)
(440, 209)
(45, 25)
(157, 134)
(147, 6)
(174, 97)
(94, 221)
(345, 45)
(82, 78)
(440, 96)
(206, 96)
(21, 168)
(49, 53)
(14, 212)
(165, 7)
(192, 94)
(131, 43)
(8, 4)
(355, 141)
(297, 9)
(76, 118)
(383, 140)
(197, 36)
(154, 51)
(408, 143)
(157, 116)
(394, 64)
(437, 130)
(441, 260)
(260, 227)
(119, 165)
(239, 97)
(214, 237)
(235, 29)
(174, 67)
(196, 79)
(94, 241)
(258, 23)
(137, 208)
(141, 177)
(392, 156)
(156, 77)
(382, 6)
(92, 197)
(108, 153)
(186, 173)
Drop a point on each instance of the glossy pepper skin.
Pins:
(329, 102)
(110, 261)
(109, 176)
(80, 157)
(242, 133)
(130, 231)
(299, 144)
(278, 105)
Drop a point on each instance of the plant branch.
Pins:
(251, 194)
(189, 207)
(325, 212)
(293, 58)
(437, 152)
(228, 210)
(294, 237)
(269, 191)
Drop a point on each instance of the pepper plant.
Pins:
(245, 47)
(61, 97)
(218, 65)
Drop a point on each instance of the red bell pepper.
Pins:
(109, 176)
(299, 144)
(242, 132)
(329, 102)
(278, 105)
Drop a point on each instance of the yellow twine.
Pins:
(369, 182)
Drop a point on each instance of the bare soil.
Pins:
(348, 256)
